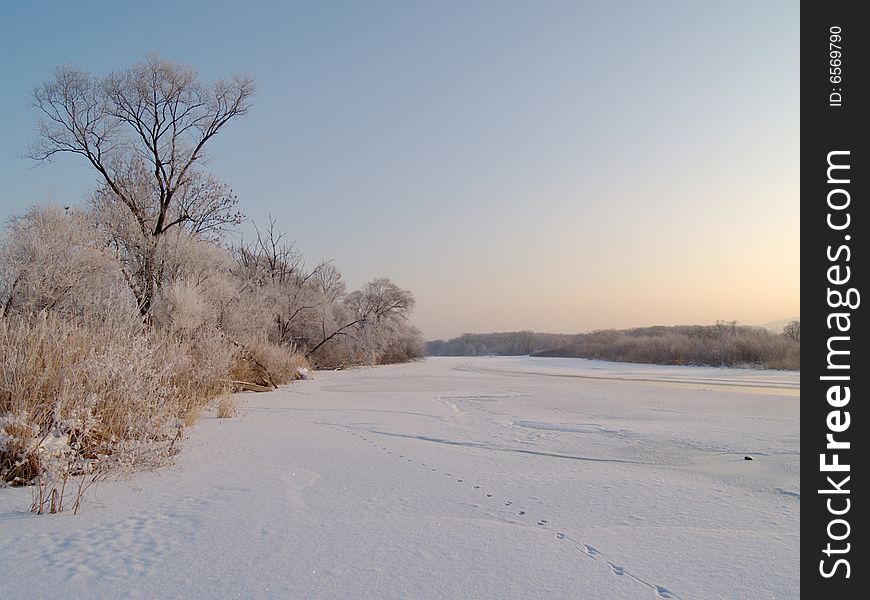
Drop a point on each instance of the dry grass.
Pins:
(227, 407)
(78, 392)
(265, 364)
(77, 397)
(198, 371)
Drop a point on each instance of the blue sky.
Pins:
(548, 165)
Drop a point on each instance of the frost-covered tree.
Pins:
(369, 313)
(51, 259)
(144, 130)
(275, 276)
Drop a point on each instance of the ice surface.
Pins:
(450, 478)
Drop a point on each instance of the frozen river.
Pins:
(450, 478)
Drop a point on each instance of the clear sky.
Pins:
(557, 166)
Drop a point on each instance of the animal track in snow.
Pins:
(587, 550)
(616, 569)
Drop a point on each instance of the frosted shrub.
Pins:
(182, 307)
(199, 369)
(19, 440)
(266, 364)
(51, 260)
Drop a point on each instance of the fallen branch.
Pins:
(250, 387)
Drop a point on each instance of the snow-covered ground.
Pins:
(450, 478)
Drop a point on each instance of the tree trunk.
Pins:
(150, 283)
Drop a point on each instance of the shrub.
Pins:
(266, 364)
(227, 405)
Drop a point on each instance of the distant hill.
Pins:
(776, 326)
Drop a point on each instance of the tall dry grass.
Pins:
(265, 364)
(78, 396)
(74, 394)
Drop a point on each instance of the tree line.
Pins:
(725, 343)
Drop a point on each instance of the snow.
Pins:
(449, 478)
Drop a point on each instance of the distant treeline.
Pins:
(725, 343)
(511, 343)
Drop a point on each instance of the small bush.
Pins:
(199, 370)
(227, 406)
(266, 364)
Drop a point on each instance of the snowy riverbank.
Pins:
(450, 478)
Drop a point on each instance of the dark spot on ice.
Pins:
(747, 457)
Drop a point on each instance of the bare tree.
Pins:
(379, 303)
(329, 281)
(793, 331)
(274, 270)
(144, 130)
(723, 327)
(271, 257)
